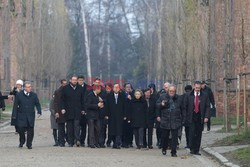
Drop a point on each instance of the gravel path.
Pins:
(44, 154)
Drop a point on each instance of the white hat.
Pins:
(19, 82)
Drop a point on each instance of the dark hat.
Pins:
(197, 82)
(203, 82)
(151, 85)
(188, 88)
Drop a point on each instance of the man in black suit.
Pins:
(83, 121)
(115, 107)
(24, 107)
(197, 109)
(72, 104)
(210, 94)
(150, 119)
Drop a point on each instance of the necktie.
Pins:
(116, 97)
(197, 101)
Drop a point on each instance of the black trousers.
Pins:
(117, 140)
(94, 131)
(83, 124)
(187, 135)
(195, 135)
(148, 137)
(209, 123)
(30, 135)
(165, 139)
(61, 133)
(158, 136)
(73, 131)
(127, 137)
(139, 133)
(103, 132)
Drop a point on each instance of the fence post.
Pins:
(238, 102)
(245, 104)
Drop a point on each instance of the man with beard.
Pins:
(60, 119)
(72, 104)
(83, 121)
(115, 107)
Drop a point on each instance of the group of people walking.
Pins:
(100, 116)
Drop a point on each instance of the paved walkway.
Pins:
(44, 154)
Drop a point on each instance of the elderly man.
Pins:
(24, 107)
(157, 124)
(171, 116)
(115, 107)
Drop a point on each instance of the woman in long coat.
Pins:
(137, 117)
(53, 123)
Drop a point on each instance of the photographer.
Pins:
(171, 118)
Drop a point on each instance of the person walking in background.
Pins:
(60, 118)
(171, 117)
(53, 123)
(150, 118)
(197, 109)
(137, 117)
(72, 104)
(188, 89)
(24, 114)
(17, 88)
(210, 94)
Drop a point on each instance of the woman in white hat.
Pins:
(18, 88)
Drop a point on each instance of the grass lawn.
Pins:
(238, 139)
(220, 121)
(243, 156)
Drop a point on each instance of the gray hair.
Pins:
(27, 83)
(172, 86)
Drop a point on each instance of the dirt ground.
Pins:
(44, 154)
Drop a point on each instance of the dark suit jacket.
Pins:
(24, 107)
(57, 105)
(116, 113)
(189, 106)
(73, 102)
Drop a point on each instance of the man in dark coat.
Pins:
(150, 118)
(18, 88)
(94, 106)
(24, 107)
(115, 107)
(127, 137)
(60, 118)
(108, 87)
(210, 94)
(83, 121)
(2, 103)
(188, 89)
(197, 109)
(171, 116)
(73, 107)
(157, 124)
